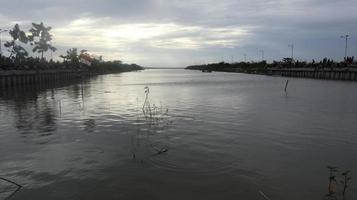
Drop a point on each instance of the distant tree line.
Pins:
(231, 67)
(263, 66)
(40, 40)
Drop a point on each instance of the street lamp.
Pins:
(292, 51)
(1, 31)
(262, 51)
(346, 38)
(245, 57)
(51, 50)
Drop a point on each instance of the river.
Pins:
(205, 136)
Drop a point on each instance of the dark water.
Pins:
(227, 136)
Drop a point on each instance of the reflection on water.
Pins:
(203, 136)
(89, 125)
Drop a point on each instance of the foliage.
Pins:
(17, 52)
(41, 38)
(263, 67)
(232, 67)
(287, 60)
(97, 67)
(112, 66)
(72, 57)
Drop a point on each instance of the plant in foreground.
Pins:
(345, 182)
(332, 187)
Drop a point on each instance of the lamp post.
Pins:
(51, 51)
(245, 58)
(292, 51)
(1, 31)
(262, 51)
(346, 39)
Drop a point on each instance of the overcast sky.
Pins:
(176, 33)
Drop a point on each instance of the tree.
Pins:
(287, 60)
(64, 58)
(17, 52)
(41, 38)
(73, 57)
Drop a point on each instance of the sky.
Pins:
(178, 33)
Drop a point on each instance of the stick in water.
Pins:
(12, 182)
(263, 195)
(286, 85)
(60, 107)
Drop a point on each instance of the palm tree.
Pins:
(42, 44)
(73, 57)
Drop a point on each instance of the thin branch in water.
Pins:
(263, 195)
(286, 86)
(159, 150)
(332, 180)
(14, 183)
(346, 182)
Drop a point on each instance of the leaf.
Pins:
(41, 32)
(331, 167)
(35, 49)
(345, 173)
(9, 44)
(22, 37)
(37, 26)
(53, 48)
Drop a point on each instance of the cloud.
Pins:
(187, 31)
(106, 35)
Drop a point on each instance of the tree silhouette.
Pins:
(287, 60)
(73, 57)
(42, 43)
(64, 58)
(17, 52)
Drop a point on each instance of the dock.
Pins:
(345, 74)
(14, 78)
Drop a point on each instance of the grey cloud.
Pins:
(313, 25)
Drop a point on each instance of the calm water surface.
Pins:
(228, 136)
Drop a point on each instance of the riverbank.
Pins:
(14, 78)
(316, 72)
(345, 74)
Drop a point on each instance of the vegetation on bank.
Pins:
(39, 40)
(231, 67)
(262, 67)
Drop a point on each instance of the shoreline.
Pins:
(342, 74)
(16, 78)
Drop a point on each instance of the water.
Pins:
(228, 136)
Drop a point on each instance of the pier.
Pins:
(14, 78)
(345, 74)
